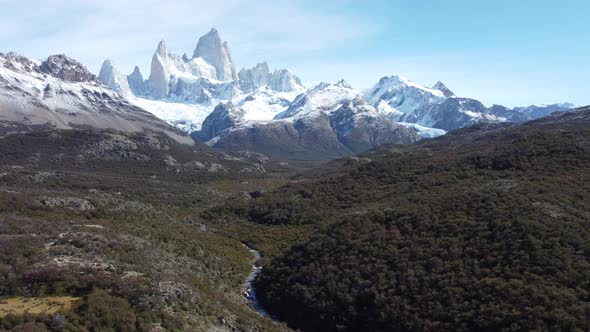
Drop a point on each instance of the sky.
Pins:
(514, 53)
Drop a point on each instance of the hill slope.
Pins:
(483, 229)
(60, 93)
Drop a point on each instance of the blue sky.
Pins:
(505, 52)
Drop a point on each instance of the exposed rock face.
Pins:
(283, 80)
(17, 62)
(115, 147)
(322, 98)
(329, 121)
(215, 52)
(66, 69)
(113, 79)
(67, 202)
(159, 77)
(453, 113)
(301, 139)
(535, 111)
(360, 127)
(33, 98)
(443, 88)
(398, 97)
(136, 82)
(224, 116)
(508, 114)
(255, 77)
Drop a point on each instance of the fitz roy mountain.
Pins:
(271, 111)
(184, 91)
(254, 109)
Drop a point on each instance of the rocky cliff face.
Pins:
(398, 97)
(183, 90)
(329, 121)
(136, 83)
(159, 77)
(443, 88)
(255, 77)
(113, 79)
(224, 116)
(281, 80)
(215, 52)
(66, 69)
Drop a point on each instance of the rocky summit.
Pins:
(186, 91)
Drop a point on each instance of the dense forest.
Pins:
(483, 229)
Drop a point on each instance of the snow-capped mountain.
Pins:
(269, 110)
(329, 120)
(538, 111)
(321, 99)
(213, 51)
(113, 79)
(224, 116)
(259, 76)
(61, 93)
(438, 107)
(398, 97)
(183, 90)
(452, 113)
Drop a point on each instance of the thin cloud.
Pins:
(128, 31)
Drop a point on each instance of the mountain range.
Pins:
(254, 109)
(260, 110)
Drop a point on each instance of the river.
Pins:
(247, 289)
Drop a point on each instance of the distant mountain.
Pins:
(183, 90)
(59, 92)
(438, 107)
(398, 97)
(265, 110)
(328, 121)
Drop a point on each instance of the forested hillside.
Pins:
(483, 229)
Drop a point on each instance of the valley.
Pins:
(127, 242)
(200, 197)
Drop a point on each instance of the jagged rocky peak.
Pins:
(224, 116)
(216, 53)
(110, 77)
(67, 69)
(257, 76)
(397, 96)
(185, 58)
(280, 80)
(136, 82)
(283, 80)
(159, 78)
(161, 50)
(321, 99)
(106, 66)
(343, 84)
(18, 62)
(443, 88)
